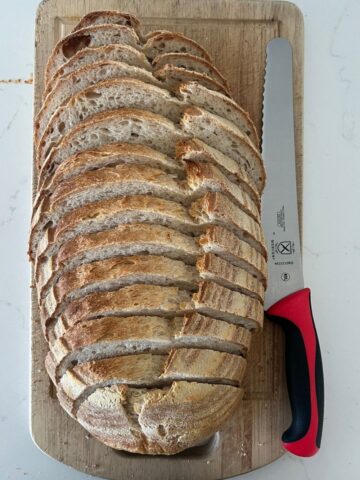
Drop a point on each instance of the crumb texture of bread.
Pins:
(149, 257)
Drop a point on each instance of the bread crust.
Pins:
(148, 431)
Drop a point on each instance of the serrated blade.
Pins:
(279, 203)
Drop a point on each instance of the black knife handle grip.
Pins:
(304, 373)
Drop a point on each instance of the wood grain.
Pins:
(235, 33)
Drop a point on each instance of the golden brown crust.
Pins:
(116, 273)
(143, 415)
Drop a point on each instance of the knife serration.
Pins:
(279, 203)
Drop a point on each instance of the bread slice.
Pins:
(136, 239)
(80, 79)
(169, 42)
(112, 274)
(204, 177)
(173, 76)
(224, 136)
(108, 156)
(124, 180)
(198, 151)
(120, 125)
(104, 96)
(158, 421)
(220, 302)
(92, 36)
(184, 363)
(217, 270)
(211, 299)
(214, 208)
(128, 301)
(215, 102)
(114, 336)
(150, 370)
(103, 17)
(109, 182)
(190, 62)
(107, 214)
(237, 252)
(124, 240)
(87, 56)
(210, 365)
(138, 370)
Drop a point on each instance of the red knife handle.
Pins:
(304, 373)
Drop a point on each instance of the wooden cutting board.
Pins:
(235, 33)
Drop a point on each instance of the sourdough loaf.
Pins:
(149, 256)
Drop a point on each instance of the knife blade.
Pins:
(287, 302)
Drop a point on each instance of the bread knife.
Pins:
(287, 302)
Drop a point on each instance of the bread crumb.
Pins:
(15, 81)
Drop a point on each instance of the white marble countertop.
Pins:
(331, 238)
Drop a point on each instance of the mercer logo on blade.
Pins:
(286, 247)
(282, 250)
